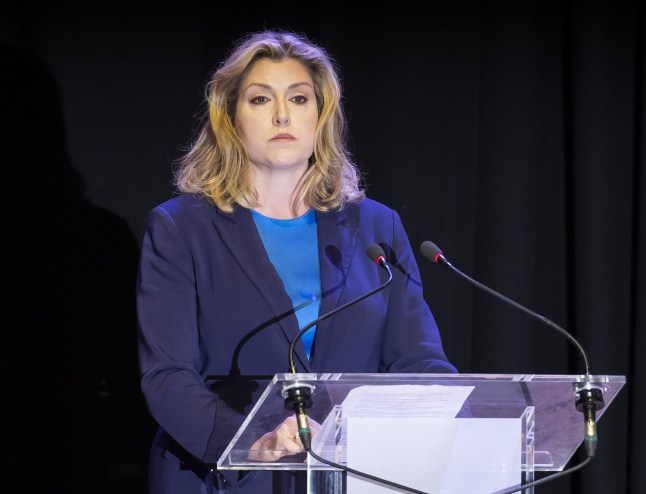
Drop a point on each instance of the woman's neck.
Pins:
(276, 195)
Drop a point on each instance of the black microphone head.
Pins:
(376, 253)
(432, 252)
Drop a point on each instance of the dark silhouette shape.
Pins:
(76, 419)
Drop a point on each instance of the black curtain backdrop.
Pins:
(510, 133)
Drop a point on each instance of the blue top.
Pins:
(292, 247)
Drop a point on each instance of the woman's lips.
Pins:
(283, 137)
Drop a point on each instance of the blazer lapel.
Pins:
(239, 233)
(337, 244)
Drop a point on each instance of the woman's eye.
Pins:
(259, 100)
(300, 100)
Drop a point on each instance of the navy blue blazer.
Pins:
(211, 303)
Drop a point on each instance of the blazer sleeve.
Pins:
(169, 351)
(412, 338)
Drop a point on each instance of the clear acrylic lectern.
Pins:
(437, 433)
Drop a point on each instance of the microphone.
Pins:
(376, 253)
(298, 395)
(589, 397)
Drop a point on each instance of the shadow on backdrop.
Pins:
(76, 421)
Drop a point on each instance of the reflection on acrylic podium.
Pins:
(437, 433)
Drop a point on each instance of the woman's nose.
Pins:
(281, 117)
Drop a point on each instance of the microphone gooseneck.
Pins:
(589, 397)
(434, 254)
(374, 252)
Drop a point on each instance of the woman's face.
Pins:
(276, 115)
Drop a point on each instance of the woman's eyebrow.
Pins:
(269, 87)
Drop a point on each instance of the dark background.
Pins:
(510, 133)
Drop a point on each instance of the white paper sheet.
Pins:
(406, 400)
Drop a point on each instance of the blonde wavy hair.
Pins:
(216, 164)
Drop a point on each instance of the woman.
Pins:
(270, 230)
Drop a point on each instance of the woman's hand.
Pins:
(282, 441)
